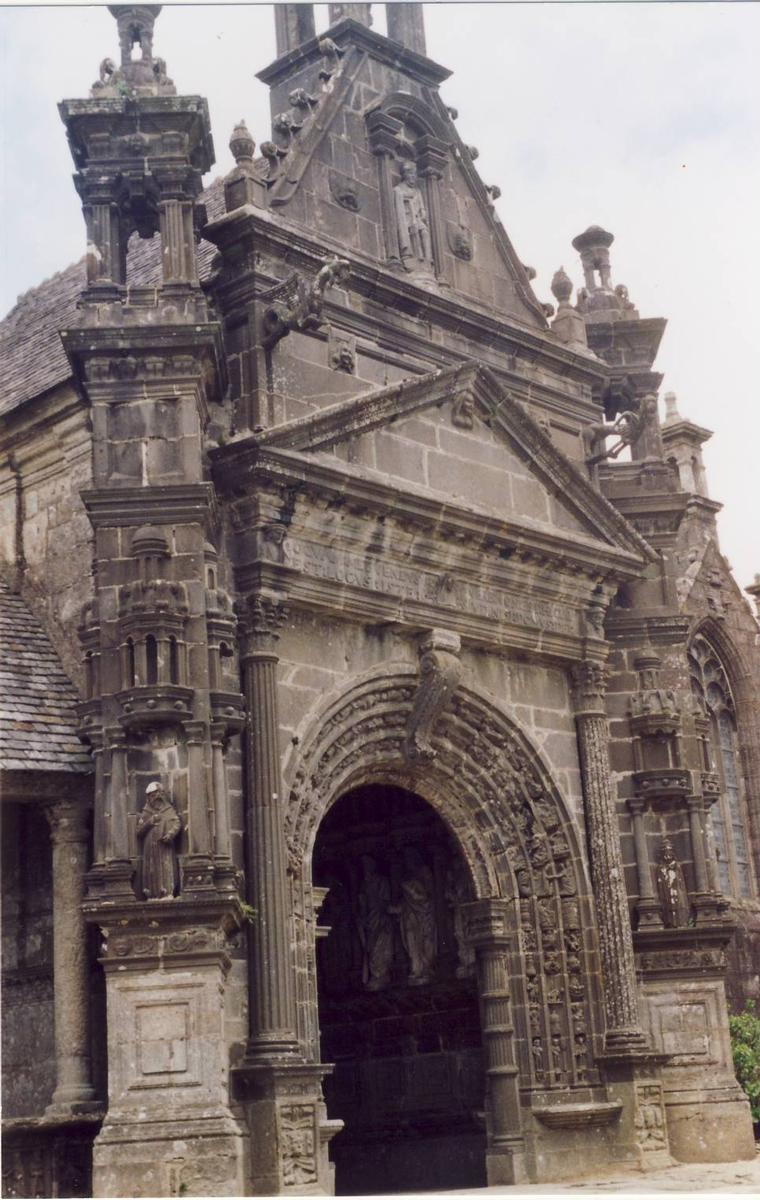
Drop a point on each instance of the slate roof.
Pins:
(32, 359)
(37, 720)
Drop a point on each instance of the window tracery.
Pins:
(712, 691)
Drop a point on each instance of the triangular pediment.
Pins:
(459, 436)
(336, 164)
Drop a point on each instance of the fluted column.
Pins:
(648, 907)
(615, 939)
(177, 241)
(487, 924)
(271, 984)
(70, 841)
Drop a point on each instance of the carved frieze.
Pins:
(298, 1145)
(379, 575)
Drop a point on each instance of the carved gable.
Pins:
(368, 156)
(458, 436)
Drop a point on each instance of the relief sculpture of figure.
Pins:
(412, 219)
(671, 888)
(158, 827)
(375, 926)
(417, 916)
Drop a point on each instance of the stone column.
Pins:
(271, 984)
(406, 25)
(648, 907)
(384, 133)
(198, 872)
(488, 930)
(177, 241)
(294, 25)
(69, 836)
(706, 903)
(433, 157)
(615, 939)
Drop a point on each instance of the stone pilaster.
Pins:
(706, 903)
(648, 908)
(488, 930)
(615, 940)
(272, 992)
(69, 835)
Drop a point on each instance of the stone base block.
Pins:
(714, 1128)
(574, 1141)
(203, 1156)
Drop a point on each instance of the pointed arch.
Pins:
(723, 686)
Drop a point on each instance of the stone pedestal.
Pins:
(289, 1129)
(634, 1082)
(684, 1000)
(169, 1129)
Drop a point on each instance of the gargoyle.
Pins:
(297, 304)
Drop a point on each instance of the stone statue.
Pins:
(375, 926)
(458, 893)
(158, 827)
(412, 219)
(416, 911)
(671, 888)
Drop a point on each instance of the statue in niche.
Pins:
(375, 926)
(416, 912)
(458, 893)
(412, 220)
(158, 827)
(671, 888)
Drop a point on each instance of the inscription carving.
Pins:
(373, 574)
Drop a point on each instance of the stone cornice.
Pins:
(372, 410)
(686, 431)
(46, 787)
(349, 32)
(333, 479)
(183, 503)
(387, 289)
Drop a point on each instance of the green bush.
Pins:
(745, 1046)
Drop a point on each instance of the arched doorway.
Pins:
(398, 998)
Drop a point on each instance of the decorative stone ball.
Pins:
(242, 144)
(151, 704)
(562, 286)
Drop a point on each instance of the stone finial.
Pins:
(593, 245)
(242, 144)
(562, 286)
(568, 325)
(136, 76)
(671, 409)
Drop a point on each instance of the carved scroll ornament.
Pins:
(440, 673)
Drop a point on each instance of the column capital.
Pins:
(263, 616)
(696, 802)
(68, 822)
(488, 922)
(589, 680)
(636, 805)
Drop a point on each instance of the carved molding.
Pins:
(488, 785)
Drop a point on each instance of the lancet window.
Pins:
(712, 690)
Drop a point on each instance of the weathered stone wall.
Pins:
(320, 657)
(50, 447)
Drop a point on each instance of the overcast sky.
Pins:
(642, 118)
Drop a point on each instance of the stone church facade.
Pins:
(380, 751)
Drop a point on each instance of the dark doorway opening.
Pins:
(398, 1000)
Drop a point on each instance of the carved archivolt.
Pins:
(496, 796)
